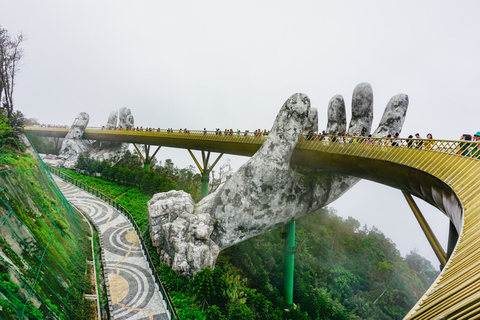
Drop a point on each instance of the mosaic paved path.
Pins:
(133, 293)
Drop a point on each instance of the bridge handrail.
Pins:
(120, 208)
(459, 147)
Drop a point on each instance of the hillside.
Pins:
(45, 245)
(342, 271)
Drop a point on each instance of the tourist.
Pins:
(428, 144)
(419, 143)
(354, 139)
(410, 141)
(397, 141)
(463, 146)
(475, 153)
(369, 140)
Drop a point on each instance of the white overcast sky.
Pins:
(232, 64)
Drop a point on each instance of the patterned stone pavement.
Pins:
(132, 289)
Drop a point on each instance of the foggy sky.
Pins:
(232, 65)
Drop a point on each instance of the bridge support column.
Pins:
(436, 246)
(147, 159)
(58, 145)
(205, 169)
(288, 271)
(205, 181)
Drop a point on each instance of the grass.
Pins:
(16, 160)
(108, 188)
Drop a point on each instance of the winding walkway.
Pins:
(131, 288)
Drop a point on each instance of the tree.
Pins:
(82, 162)
(224, 173)
(210, 287)
(130, 160)
(5, 131)
(10, 55)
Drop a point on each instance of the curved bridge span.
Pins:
(438, 174)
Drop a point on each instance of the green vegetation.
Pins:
(10, 146)
(128, 172)
(43, 242)
(42, 144)
(342, 271)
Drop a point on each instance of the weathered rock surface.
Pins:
(125, 119)
(108, 150)
(73, 144)
(362, 110)
(112, 121)
(337, 117)
(183, 235)
(54, 160)
(393, 116)
(264, 194)
(78, 126)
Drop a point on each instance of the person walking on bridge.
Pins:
(428, 143)
(463, 146)
(419, 143)
(475, 153)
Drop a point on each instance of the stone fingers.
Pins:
(362, 110)
(312, 121)
(337, 118)
(264, 192)
(262, 195)
(125, 118)
(78, 126)
(393, 116)
(287, 129)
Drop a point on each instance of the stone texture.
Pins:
(108, 150)
(73, 144)
(78, 126)
(264, 194)
(312, 121)
(362, 110)
(393, 116)
(181, 235)
(112, 120)
(337, 118)
(125, 119)
(54, 160)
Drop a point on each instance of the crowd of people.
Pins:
(246, 133)
(44, 125)
(466, 147)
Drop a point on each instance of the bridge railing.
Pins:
(461, 148)
(121, 209)
(465, 148)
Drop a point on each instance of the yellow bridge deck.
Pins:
(435, 172)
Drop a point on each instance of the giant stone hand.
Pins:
(73, 144)
(266, 192)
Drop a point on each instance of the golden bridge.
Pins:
(443, 173)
